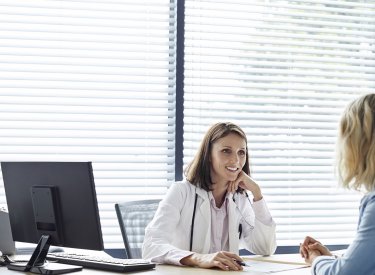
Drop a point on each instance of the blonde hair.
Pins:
(356, 145)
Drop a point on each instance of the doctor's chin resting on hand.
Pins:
(219, 208)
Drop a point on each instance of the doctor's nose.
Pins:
(234, 159)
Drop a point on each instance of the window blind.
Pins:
(91, 81)
(283, 71)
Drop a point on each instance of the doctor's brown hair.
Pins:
(198, 171)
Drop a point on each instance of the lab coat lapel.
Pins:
(202, 225)
(233, 225)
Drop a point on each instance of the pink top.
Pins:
(219, 225)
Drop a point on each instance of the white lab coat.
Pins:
(171, 225)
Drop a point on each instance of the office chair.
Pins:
(133, 217)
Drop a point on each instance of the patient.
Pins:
(356, 168)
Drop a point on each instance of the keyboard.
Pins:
(100, 262)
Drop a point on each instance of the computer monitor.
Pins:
(52, 203)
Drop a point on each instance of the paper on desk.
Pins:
(269, 267)
(275, 263)
(293, 259)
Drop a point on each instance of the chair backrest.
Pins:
(133, 217)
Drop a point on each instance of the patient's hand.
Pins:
(311, 248)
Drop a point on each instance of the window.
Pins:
(84, 81)
(95, 81)
(283, 70)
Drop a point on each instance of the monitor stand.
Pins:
(38, 264)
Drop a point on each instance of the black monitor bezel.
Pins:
(77, 207)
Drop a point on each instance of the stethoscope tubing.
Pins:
(193, 219)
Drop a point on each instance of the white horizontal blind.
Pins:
(91, 81)
(283, 70)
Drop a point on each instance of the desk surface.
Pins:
(172, 270)
(176, 270)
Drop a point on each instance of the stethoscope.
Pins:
(239, 226)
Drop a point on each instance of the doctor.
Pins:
(204, 220)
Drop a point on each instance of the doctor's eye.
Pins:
(242, 153)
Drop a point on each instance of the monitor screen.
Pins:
(56, 199)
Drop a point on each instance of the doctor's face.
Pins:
(228, 156)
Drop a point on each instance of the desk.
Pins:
(176, 270)
(171, 270)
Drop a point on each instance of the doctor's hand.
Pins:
(247, 183)
(223, 260)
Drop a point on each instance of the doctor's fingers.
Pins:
(227, 264)
(230, 260)
(232, 187)
(231, 255)
(246, 182)
(221, 265)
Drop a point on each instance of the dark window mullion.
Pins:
(180, 51)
